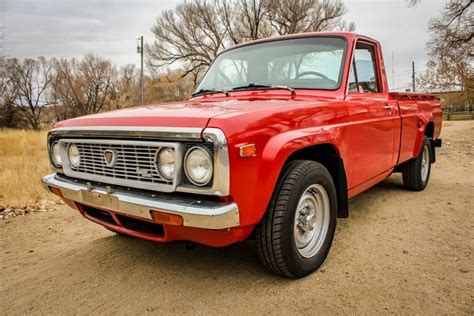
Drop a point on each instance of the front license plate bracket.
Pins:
(103, 200)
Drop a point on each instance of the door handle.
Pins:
(387, 107)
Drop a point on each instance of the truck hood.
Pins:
(187, 113)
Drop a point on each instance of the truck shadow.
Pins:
(151, 264)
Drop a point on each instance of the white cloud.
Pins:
(399, 29)
(109, 28)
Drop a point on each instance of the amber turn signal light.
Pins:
(248, 151)
(166, 218)
(57, 192)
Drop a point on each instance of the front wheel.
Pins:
(416, 172)
(295, 235)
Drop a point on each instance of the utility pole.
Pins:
(140, 51)
(413, 74)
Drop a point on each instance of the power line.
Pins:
(403, 74)
(68, 41)
(401, 88)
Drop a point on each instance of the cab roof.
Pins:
(349, 36)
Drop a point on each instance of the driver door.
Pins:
(374, 117)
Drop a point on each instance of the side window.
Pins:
(363, 76)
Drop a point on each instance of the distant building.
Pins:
(457, 101)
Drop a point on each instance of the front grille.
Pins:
(130, 159)
(134, 164)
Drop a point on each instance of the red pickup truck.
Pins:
(279, 135)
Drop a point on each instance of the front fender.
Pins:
(282, 146)
(276, 153)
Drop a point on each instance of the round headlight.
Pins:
(166, 162)
(74, 155)
(198, 166)
(55, 155)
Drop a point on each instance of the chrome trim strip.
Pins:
(195, 213)
(181, 133)
(208, 156)
(221, 184)
(221, 181)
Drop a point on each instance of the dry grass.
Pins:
(23, 161)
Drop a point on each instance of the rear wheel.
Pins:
(416, 172)
(295, 235)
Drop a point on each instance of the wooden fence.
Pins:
(455, 113)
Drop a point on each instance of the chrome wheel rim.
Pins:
(425, 163)
(311, 220)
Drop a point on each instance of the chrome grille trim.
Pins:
(221, 181)
(131, 156)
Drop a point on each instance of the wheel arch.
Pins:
(429, 129)
(429, 132)
(327, 155)
(424, 129)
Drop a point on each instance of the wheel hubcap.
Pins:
(311, 220)
(425, 163)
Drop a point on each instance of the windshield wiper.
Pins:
(260, 85)
(209, 91)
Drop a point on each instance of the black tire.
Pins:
(413, 169)
(276, 245)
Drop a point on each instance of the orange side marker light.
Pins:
(247, 151)
(56, 191)
(167, 218)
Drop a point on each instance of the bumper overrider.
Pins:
(206, 221)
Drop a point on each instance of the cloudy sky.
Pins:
(72, 28)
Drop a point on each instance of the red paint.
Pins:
(214, 238)
(371, 140)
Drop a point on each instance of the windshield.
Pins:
(305, 63)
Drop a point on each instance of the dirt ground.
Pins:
(399, 252)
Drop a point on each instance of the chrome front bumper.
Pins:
(138, 203)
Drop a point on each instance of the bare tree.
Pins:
(412, 3)
(195, 31)
(9, 116)
(83, 86)
(3, 77)
(245, 20)
(451, 48)
(455, 27)
(289, 16)
(28, 83)
(169, 86)
(191, 34)
(126, 88)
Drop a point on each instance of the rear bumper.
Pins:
(213, 215)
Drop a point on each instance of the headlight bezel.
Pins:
(208, 154)
(52, 155)
(159, 165)
(73, 145)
